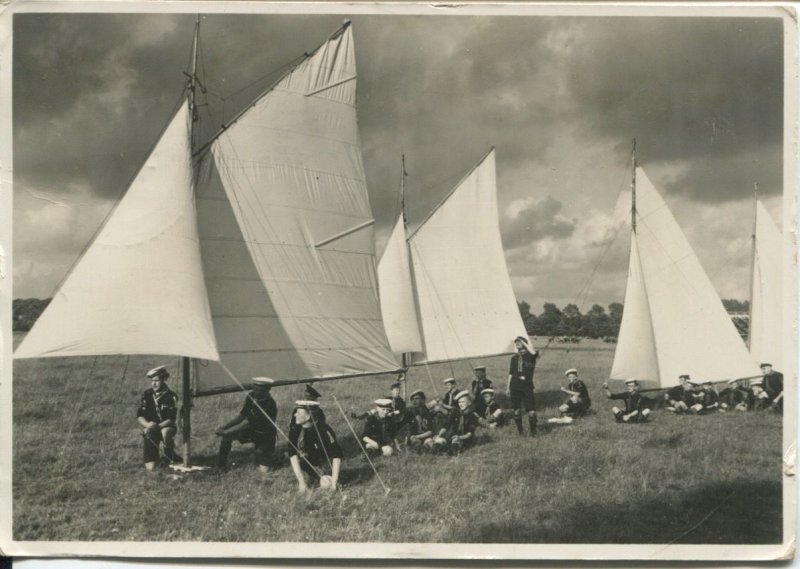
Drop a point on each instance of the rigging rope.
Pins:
(366, 454)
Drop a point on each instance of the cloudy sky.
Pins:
(559, 97)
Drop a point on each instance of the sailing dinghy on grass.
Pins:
(674, 322)
(766, 311)
(253, 255)
(445, 290)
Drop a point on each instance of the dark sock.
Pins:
(518, 421)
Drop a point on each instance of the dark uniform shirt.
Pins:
(709, 398)
(158, 407)
(491, 408)
(422, 420)
(252, 411)
(773, 384)
(479, 385)
(521, 371)
(633, 401)
(447, 398)
(382, 431)
(317, 443)
(462, 422)
(580, 388)
(678, 393)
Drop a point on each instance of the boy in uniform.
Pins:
(157, 413)
(520, 384)
(480, 383)
(459, 432)
(636, 406)
(773, 386)
(313, 448)
(706, 399)
(380, 429)
(578, 401)
(492, 413)
(736, 397)
(422, 422)
(309, 394)
(448, 399)
(680, 397)
(252, 426)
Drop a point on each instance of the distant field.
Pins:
(77, 472)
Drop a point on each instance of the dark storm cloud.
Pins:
(706, 91)
(535, 221)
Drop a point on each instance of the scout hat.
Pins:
(312, 393)
(488, 390)
(160, 371)
(417, 392)
(265, 381)
(460, 395)
(449, 380)
(385, 403)
(569, 371)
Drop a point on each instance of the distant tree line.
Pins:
(598, 322)
(552, 321)
(25, 311)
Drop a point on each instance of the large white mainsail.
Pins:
(268, 265)
(691, 331)
(766, 313)
(466, 305)
(286, 232)
(139, 287)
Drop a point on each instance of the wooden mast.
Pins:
(186, 363)
(406, 356)
(633, 190)
(752, 266)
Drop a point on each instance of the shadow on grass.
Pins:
(734, 512)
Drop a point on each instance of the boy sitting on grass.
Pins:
(637, 408)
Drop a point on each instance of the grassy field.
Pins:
(77, 472)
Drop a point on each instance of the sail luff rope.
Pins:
(753, 253)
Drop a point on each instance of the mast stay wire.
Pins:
(583, 294)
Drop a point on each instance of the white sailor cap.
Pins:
(417, 392)
(632, 382)
(449, 380)
(572, 370)
(305, 404)
(479, 368)
(487, 390)
(460, 395)
(522, 339)
(263, 381)
(684, 376)
(160, 371)
(385, 403)
(765, 364)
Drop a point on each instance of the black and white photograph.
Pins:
(398, 281)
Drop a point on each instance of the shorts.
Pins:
(523, 400)
(579, 408)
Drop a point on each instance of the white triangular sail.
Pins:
(692, 331)
(139, 287)
(467, 307)
(396, 286)
(286, 234)
(766, 320)
(636, 355)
